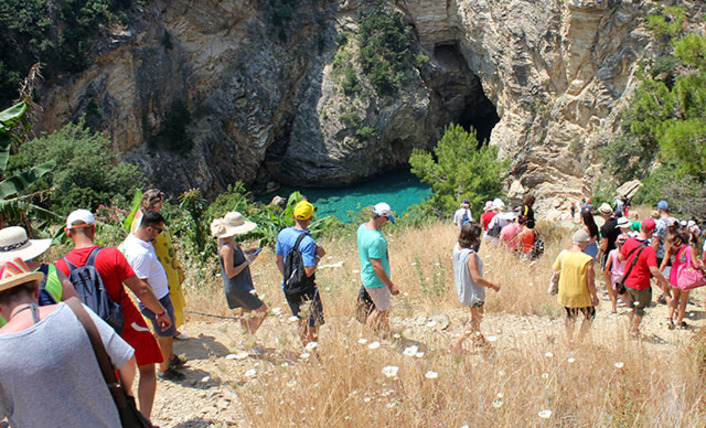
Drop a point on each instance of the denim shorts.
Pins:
(167, 303)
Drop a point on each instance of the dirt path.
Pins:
(218, 368)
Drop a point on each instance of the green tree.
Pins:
(662, 134)
(88, 174)
(460, 168)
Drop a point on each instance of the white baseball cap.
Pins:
(84, 216)
(382, 209)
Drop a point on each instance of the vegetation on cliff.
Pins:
(662, 137)
(59, 34)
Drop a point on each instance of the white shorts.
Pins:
(381, 297)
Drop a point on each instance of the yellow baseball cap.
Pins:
(303, 210)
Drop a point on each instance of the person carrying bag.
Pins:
(130, 417)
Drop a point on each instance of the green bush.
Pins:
(87, 173)
(384, 47)
(350, 119)
(460, 168)
(350, 83)
(365, 134)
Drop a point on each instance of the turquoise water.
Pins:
(399, 189)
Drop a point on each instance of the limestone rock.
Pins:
(261, 102)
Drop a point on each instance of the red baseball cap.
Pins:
(648, 224)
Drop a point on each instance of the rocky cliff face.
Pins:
(201, 94)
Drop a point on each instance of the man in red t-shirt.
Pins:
(115, 271)
(637, 283)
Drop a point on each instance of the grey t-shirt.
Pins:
(49, 375)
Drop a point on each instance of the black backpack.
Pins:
(538, 247)
(89, 287)
(296, 283)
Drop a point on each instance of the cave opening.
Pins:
(460, 93)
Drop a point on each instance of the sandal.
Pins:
(670, 324)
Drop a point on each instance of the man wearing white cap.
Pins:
(375, 266)
(115, 271)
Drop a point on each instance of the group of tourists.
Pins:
(629, 254)
(39, 324)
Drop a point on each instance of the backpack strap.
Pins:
(634, 260)
(92, 257)
(300, 238)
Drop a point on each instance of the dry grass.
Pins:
(506, 385)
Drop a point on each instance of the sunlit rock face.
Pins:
(201, 94)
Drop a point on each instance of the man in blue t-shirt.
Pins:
(375, 266)
(307, 307)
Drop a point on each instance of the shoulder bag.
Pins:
(688, 275)
(130, 417)
(620, 284)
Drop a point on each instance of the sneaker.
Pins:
(171, 375)
(181, 336)
(176, 362)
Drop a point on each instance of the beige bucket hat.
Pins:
(232, 224)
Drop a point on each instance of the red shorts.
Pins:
(139, 336)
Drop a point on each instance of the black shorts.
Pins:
(588, 312)
(307, 306)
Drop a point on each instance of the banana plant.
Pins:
(15, 203)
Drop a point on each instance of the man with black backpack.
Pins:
(81, 265)
(297, 258)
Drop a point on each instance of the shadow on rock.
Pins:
(201, 348)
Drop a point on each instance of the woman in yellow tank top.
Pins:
(152, 200)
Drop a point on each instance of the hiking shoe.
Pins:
(176, 362)
(171, 375)
(181, 336)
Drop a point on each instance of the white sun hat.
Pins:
(14, 243)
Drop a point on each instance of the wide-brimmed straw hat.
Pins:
(232, 224)
(15, 272)
(14, 242)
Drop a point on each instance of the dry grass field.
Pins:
(526, 377)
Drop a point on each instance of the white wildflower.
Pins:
(545, 414)
(374, 345)
(411, 351)
(390, 371)
(431, 375)
(362, 341)
(311, 346)
(251, 373)
(619, 365)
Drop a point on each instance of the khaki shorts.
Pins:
(639, 299)
(381, 297)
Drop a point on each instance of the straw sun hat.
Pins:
(15, 272)
(232, 224)
(15, 243)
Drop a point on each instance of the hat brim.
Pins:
(20, 279)
(244, 228)
(33, 249)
